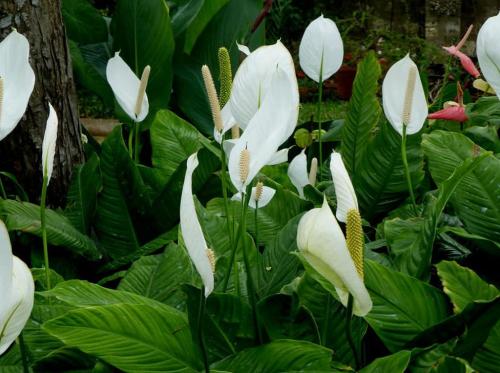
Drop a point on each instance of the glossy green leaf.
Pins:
(184, 14)
(396, 363)
(84, 24)
(25, 217)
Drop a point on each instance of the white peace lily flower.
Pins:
(403, 97)
(128, 89)
(192, 233)
(252, 82)
(344, 191)
(49, 144)
(488, 52)
(17, 290)
(17, 81)
(321, 49)
(322, 243)
(261, 141)
(297, 172)
(263, 197)
(243, 49)
(281, 156)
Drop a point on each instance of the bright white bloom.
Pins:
(264, 196)
(321, 49)
(488, 52)
(297, 172)
(17, 81)
(192, 233)
(344, 191)
(17, 290)
(403, 97)
(49, 144)
(322, 243)
(129, 90)
(272, 124)
(252, 82)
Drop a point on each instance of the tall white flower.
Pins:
(344, 191)
(321, 49)
(192, 234)
(297, 172)
(323, 245)
(403, 97)
(17, 81)
(129, 90)
(488, 52)
(49, 144)
(17, 290)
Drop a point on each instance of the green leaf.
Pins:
(402, 305)
(25, 217)
(82, 195)
(279, 356)
(142, 32)
(184, 14)
(412, 240)
(476, 200)
(131, 337)
(84, 24)
(362, 114)
(396, 363)
(160, 277)
(425, 360)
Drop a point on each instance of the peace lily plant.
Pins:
(488, 53)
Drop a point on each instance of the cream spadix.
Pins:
(129, 90)
(321, 49)
(17, 290)
(192, 233)
(323, 245)
(49, 144)
(261, 195)
(488, 52)
(403, 97)
(17, 81)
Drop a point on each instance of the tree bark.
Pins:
(21, 151)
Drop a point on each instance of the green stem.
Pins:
(44, 231)
(407, 169)
(326, 321)
(137, 142)
(318, 116)
(348, 331)
(201, 337)
(2, 189)
(24, 355)
(256, 225)
(130, 143)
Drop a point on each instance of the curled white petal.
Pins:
(228, 122)
(243, 49)
(252, 81)
(321, 49)
(344, 191)
(297, 172)
(192, 233)
(125, 85)
(323, 245)
(281, 156)
(394, 93)
(266, 197)
(488, 52)
(18, 81)
(49, 143)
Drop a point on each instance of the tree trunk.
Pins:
(21, 151)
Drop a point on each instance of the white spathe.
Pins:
(125, 85)
(394, 93)
(272, 124)
(18, 81)
(17, 290)
(192, 233)
(267, 195)
(344, 191)
(49, 144)
(322, 243)
(321, 50)
(297, 172)
(228, 122)
(252, 81)
(488, 53)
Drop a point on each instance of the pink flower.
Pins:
(465, 60)
(456, 113)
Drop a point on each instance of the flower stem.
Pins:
(24, 356)
(256, 225)
(2, 189)
(326, 321)
(130, 143)
(407, 170)
(137, 142)
(318, 117)
(44, 231)
(348, 331)
(201, 337)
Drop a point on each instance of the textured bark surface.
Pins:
(20, 152)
